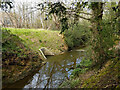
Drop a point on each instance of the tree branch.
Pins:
(85, 18)
(73, 13)
(86, 13)
(10, 18)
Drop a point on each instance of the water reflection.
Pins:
(57, 69)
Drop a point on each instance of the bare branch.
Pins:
(10, 18)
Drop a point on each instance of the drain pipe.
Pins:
(42, 54)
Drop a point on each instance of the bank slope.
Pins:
(107, 77)
(18, 60)
(20, 51)
(37, 38)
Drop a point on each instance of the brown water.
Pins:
(57, 69)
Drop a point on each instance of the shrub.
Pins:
(81, 68)
(76, 35)
(103, 43)
(76, 72)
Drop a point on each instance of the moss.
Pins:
(65, 84)
(70, 83)
(118, 86)
(107, 77)
(74, 83)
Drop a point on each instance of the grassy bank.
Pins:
(18, 60)
(37, 38)
(20, 55)
(106, 77)
(86, 75)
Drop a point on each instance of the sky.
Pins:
(38, 0)
(27, 0)
(60, 0)
(56, 0)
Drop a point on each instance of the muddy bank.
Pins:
(28, 72)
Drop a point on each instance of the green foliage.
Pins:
(18, 60)
(76, 72)
(64, 24)
(93, 5)
(70, 83)
(13, 50)
(81, 68)
(40, 41)
(108, 35)
(60, 10)
(85, 63)
(75, 82)
(104, 36)
(76, 36)
(105, 78)
(104, 33)
(104, 42)
(57, 8)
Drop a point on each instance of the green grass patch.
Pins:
(36, 38)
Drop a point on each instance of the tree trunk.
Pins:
(98, 51)
(119, 17)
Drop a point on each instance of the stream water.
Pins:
(57, 69)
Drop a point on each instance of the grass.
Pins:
(107, 77)
(18, 60)
(20, 46)
(36, 38)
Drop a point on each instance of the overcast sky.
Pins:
(27, 0)
(40, 0)
(60, 0)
